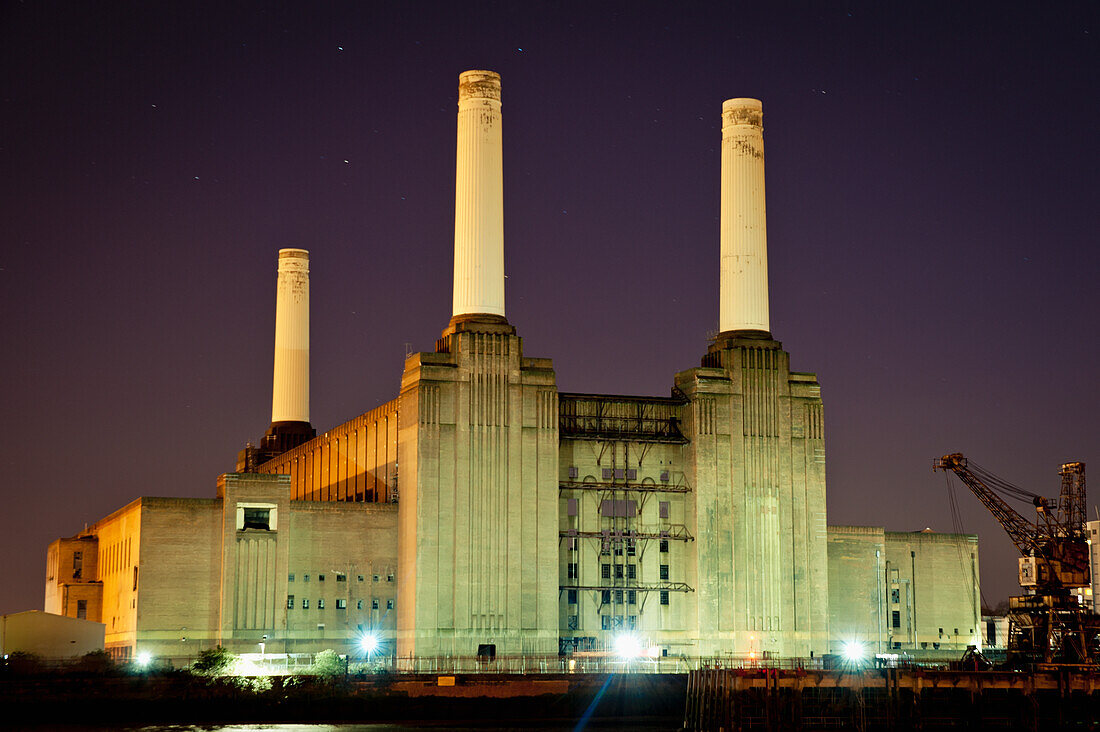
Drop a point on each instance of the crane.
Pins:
(1048, 624)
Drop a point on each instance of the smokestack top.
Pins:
(293, 253)
(742, 111)
(479, 84)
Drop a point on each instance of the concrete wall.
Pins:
(757, 464)
(72, 585)
(53, 637)
(477, 538)
(858, 610)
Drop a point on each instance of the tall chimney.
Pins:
(290, 388)
(743, 292)
(479, 199)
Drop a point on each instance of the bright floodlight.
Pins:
(369, 643)
(144, 658)
(853, 651)
(627, 646)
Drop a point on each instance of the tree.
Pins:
(328, 663)
(213, 662)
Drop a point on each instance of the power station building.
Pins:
(483, 510)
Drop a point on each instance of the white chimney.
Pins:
(290, 389)
(743, 294)
(479, 198)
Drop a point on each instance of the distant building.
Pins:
(49, 636)
(913, 592)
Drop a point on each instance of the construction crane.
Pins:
(1048, 624)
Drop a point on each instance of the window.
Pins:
(664, 571)
(78, 564)
(632, 621)
(895, 618)
(389, 577)
(664, 476)
(664, 546)
(341, 577)
(605, 597)
(572, 622)
(605, 571)
(321, 604)
(895, 596)
(374, 604)
(305, 603)
(257, 518)
(341, 603)
(618, 597)
(631, 597)
(574, 472)
(305, 578)
(897, 645)
(320, 578)
(631, 547)
(290, 577)
(936, 646)
(374, 578)
(605, 622)
(571, 597)
(82, 609)
(571, 507)
(389, 604)
(662, 509)
(619, 473)
(360, 578)
(618, 543)
(358, 604)
(606, 473)
(632, 571)
(135, 578)
(631, 474)
(664, 597)
(290, 602)
(571, 570)
(618, 571)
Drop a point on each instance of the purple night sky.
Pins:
(932, 201)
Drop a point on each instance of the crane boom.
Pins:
(1019, 529)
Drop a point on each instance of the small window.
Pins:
(374, 604)
(320, 578)
(631, 547)
(389, 604)
(290, 602)
(936, 646)
(618, 571)
(664, 476)
(631, 597)
(618, 544)
(571, 570)
(605, 622)
(574, 473)
(895, 618)
(290, 577)
(619, 474)
(664, 546)
(305, 578)
(664, 597)
(662, 509)
(631, 474)
(341, 577)
(389, 577)
(360, 578)
(135, 578)
(305, 603)
(321, 604)
(632, 621)
(618, 597)
(605, 571)
(632, 571)
(897, 645)
(571, 507)
(572, 622)
(82, 609)
(375, 578)
(605, 597)
(606, 473)
(895, 596)
(257, 518)
(358, 604)
(341, 604)
(664, 571)
(571, 597)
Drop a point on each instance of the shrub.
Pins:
(328, 663)
(213, 662)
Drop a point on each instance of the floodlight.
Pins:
(144, 659)
(854, 651)
(369, 643)
(627, 646)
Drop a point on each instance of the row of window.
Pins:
(341, 577)
(341, 603)
(621, 571)
(616, 508)
(607, 545)
(628, 597)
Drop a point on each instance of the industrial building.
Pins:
(493, 514)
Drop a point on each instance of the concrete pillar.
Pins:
(744, 286)
(479, 198)
(290, 387)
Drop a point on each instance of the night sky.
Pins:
(932, 220)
